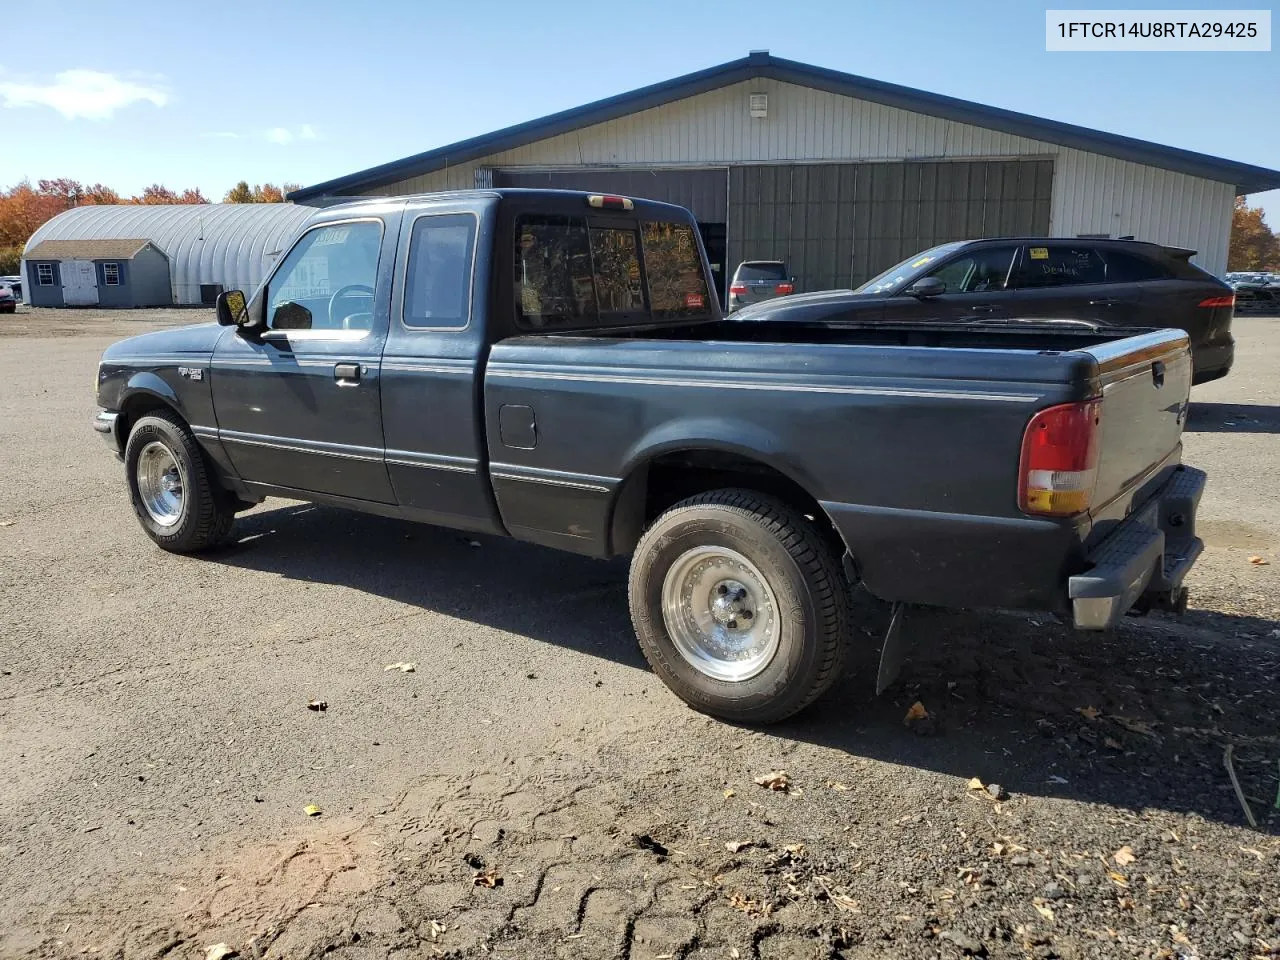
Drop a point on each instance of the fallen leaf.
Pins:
(487, 878)
(1135, 726)
(402, 667)
(776, 780)
(1253, 852)
(1259, 561)
(1044, 911)
(976, 784)
(740, 901)
(10, 523)
(997, 848)
(1113, 743)
(318, 705)
(1089, 713)
(1118, 878)
(220, 951)
(311, 810)
(916, 712)
(729, 793)
(838, 897)
(734, 954)
(736, 846)
(796, 850)
(1124, 856)
(437, 928)
(836, 785)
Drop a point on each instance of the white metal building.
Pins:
(838, 174)
(209, 245)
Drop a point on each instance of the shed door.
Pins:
(79, 283)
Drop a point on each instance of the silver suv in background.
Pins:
(758, 280)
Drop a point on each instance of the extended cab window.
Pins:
(327, 280)
(1060, 265)
(438, 283)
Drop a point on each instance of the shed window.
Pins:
(111, 274)
(44, 274)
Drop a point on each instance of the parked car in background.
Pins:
(1256, 292)
(758, 280)
(8, 302)
(14, 284)
(1096, 282)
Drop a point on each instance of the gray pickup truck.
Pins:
(554, 367)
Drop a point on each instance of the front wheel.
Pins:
(739, 606)
(173, 494)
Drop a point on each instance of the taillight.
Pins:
(1229, 301)
(609, 202)
(784, 288)
(1060, 459)
(737, 289)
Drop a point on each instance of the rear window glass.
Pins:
(760, 271)
(1055, 265)
(572, 273)
(1128, 268)
(677, 285)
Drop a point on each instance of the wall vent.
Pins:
(759, 105)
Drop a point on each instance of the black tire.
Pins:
(207, 512)
(812, 600)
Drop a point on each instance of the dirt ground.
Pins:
(531, 790)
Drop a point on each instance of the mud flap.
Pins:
(894, 649)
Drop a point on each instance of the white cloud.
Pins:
(284, 135)
(88, 94)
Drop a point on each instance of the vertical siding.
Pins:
(1096, 194)
(1090, 193)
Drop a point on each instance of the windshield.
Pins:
(892, 278)
(759, 270)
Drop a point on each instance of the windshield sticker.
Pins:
(331, 235)
(1039, 253)
(694, 301)
(921, 261)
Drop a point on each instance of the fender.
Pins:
(149, 383)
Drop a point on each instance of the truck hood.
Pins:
(197, 340)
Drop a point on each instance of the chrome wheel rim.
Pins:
(160, 486)
(720, 613)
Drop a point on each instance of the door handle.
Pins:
(347, 371)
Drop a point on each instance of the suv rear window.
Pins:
(760, 271)
(572, 272)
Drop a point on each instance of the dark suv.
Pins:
(1105, 282)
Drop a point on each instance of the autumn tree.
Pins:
(240, 193)
(1253, 245)
(258, 193)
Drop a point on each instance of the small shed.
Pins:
(97, 273)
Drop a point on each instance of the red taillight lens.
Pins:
(607, 201)
(1060, 459)
(738, 289)
(784, 288)
(1219, 301)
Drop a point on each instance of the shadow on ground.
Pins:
(1233, 418)
(1136, 719)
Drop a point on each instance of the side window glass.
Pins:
(677, 286)
(985, 269)
(1128, 268)
(615, 255)
(327, 280)
(1060, 265)
(438, 283)
(553, 281)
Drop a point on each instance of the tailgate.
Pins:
(1145, 383)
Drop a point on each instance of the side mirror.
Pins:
(232, 309)
(927, 287)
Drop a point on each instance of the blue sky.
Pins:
(208, 94)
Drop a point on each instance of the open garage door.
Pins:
(704, 192)
(838, 224)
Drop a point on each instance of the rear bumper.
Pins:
(1144, 560)
(1212, 360)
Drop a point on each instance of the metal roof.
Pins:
(229, 243)
(85, 249)
(1245, 177)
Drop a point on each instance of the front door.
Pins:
(299, 405)
(79, 283)
(975, 283)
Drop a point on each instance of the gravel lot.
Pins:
(159, 752)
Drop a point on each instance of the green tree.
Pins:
(240, 193)
(1253, 245)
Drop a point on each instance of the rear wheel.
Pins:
(739, 606)
(172, 489)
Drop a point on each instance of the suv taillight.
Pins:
(737, 289)
(784, 288)
(1218, 301)
(1060, 459)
